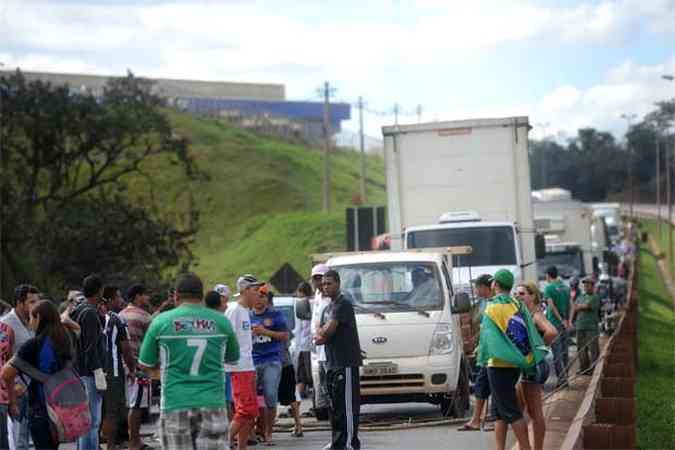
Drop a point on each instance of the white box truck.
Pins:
(568, 225)
(463, 182)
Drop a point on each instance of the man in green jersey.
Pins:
(189, 343)
(558, 311)
(586, 316)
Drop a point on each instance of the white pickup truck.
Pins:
(409, 327)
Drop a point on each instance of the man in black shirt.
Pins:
(339, 334)
(91, 356)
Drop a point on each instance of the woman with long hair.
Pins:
(49, 351)
(531, 386)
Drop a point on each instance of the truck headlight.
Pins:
(443, 340)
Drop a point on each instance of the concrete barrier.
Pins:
(607, 416)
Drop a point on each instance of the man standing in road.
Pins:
(339, 334)
(559, 307)
(483, 291)
(586, 316)
(138, 319)
(192, 340)
(243, 373)
(320, 303)
(505, 349)
(25, 297)
(117, 350)
(91, 356)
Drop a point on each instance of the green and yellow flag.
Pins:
(508, 335)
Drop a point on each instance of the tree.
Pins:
(63, 155)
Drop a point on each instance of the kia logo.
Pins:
(379, 340)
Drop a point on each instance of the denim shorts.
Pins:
(268, 377)
(538, 374)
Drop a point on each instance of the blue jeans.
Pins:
(268, 376)
(560, 348)
(90, 440)
(21, 427)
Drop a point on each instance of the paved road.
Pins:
(445, 436)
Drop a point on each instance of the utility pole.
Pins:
(396, 108)
(326, 146)
(363, 153)
(629, 118)
(669, 198)
(658, 186)
(544, 179)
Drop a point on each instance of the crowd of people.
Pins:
(523, 332)
(226, 362)
(223, 366)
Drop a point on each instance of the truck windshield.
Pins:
(569, 263)
(492, 246)
(386, 287)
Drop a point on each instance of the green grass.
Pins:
(261, 204)
(662, 240)
(656, 374)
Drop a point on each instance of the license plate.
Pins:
(380, 369)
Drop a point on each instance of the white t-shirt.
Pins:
(240, 318)
(320, 303)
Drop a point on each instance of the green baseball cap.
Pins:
(505, 278)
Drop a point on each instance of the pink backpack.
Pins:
(66, 399)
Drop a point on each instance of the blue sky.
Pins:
(566, 63)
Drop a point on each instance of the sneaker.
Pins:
(328, 446)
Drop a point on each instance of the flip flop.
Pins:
(489, 427)
(467, 427)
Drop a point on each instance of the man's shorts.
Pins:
(303, 369)
(115, 397)
(138, 394)
(268, 377)
(481, 388)
(504, 398)
(244, 396)
(208, 425)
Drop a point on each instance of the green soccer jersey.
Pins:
(587, 319)
(560, 294)
(190, 343)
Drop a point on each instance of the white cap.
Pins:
(319, 269)
(247, 281)
(222, 289)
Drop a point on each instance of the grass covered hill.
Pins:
(260, 205)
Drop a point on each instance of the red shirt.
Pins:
(137, 320)
(6, 344)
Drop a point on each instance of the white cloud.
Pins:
(361, 45)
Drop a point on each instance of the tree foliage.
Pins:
(595, 167)
(64, 158)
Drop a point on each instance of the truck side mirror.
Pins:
(539, 246)
(461, 303)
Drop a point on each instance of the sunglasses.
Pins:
(522, 293)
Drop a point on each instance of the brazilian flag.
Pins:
(508, 334)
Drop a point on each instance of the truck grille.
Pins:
(393, 381)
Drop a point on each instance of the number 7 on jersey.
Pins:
(199, 354)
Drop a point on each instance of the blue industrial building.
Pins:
(281, 109)
(260, 106)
